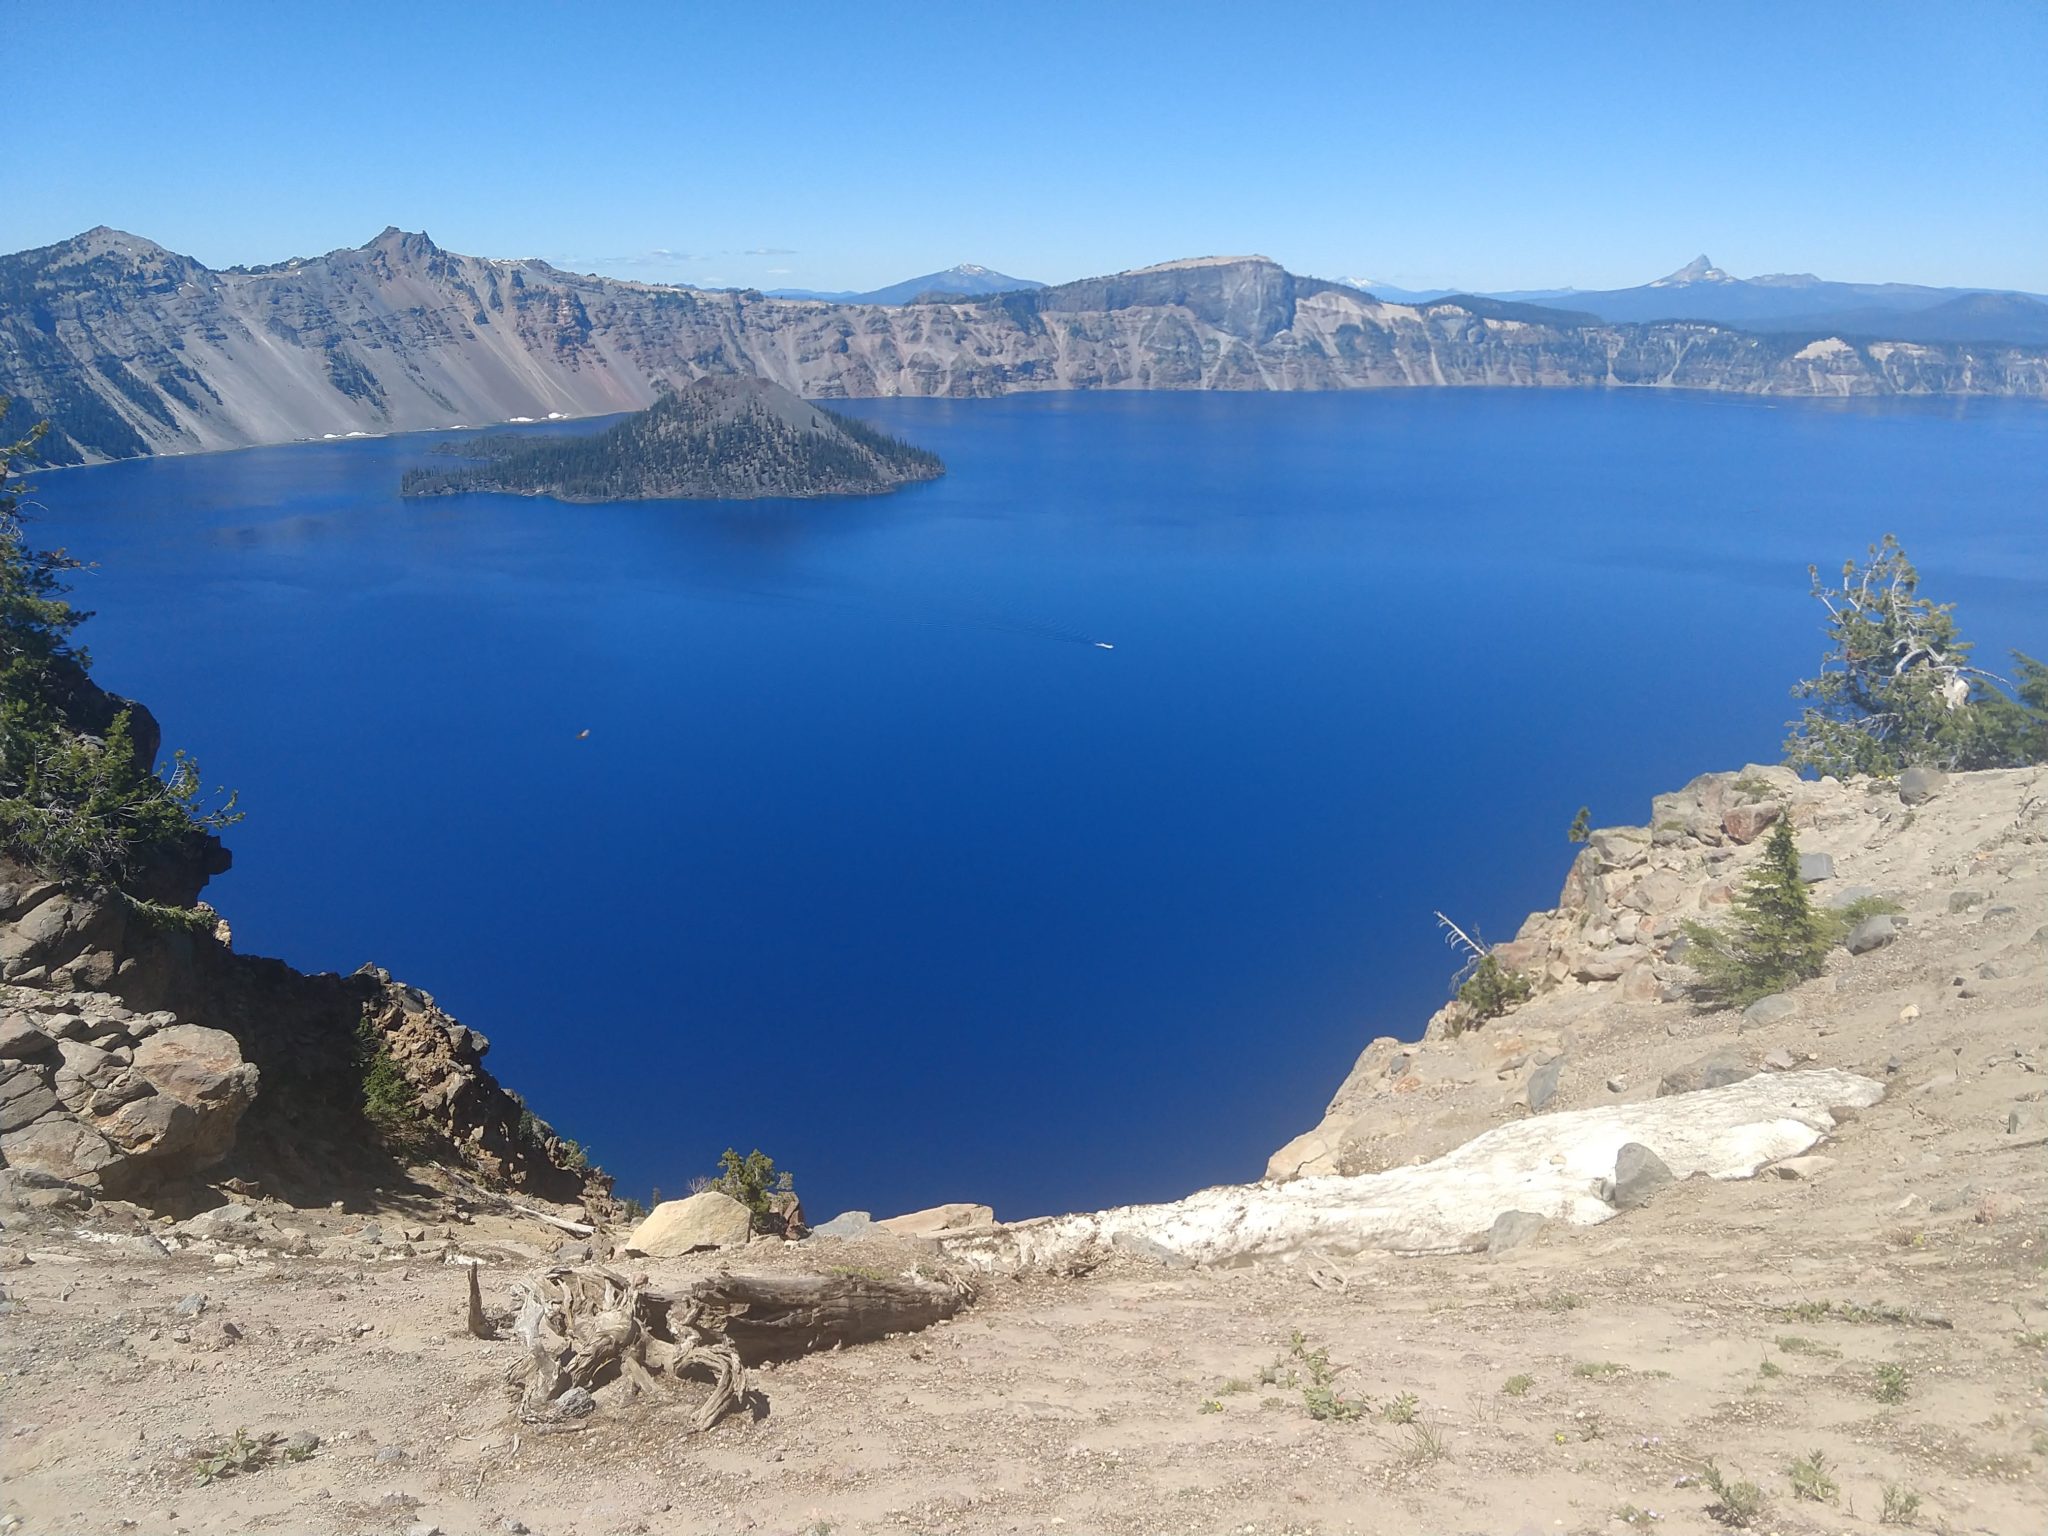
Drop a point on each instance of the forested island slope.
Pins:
(721, 437)
(130, 349)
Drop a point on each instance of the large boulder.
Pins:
(1920, 783)
(673, 1228)
(938, 1218)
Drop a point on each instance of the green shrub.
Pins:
(1774, 936)
(390, 1104)
(1492, 989)
(1735, 1503)
(79, 806)
(753, 1181)
(1582, 826)
(1896, 686)
(1811, 1479)
(1901, 1505)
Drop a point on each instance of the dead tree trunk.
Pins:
(781, 1316)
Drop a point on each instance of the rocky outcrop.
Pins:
(1606, 964)
(111, 1100)
(130, 349)
(136, 1053)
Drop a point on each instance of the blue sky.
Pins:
(1474, 145)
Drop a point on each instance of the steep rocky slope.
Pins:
(1612, 1020)
(130, 349)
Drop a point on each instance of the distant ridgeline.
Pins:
(721, 437)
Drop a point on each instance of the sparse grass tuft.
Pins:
(1518, 1386)
(1811, 1479)
(1210, 1405)
(1562, 1301)
(1425, 1445)
(1894, 1383)
(1793, 1344)
(1770, 1369)
(1598, 1368)
(1736, 1504)
(236, 1456)
(1901, 1505)
(1233, 1386)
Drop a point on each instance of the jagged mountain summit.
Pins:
(723, 437)
(129, 349)
(966, 280)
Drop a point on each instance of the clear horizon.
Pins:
(838, 151)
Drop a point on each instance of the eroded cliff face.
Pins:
(131, 349)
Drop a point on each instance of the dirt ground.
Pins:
(1883, 1316)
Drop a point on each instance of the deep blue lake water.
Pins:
(873, 859)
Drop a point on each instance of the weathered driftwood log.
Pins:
(591, 1327)
(780, 1316)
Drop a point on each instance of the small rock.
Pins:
(190, 1306)
(388, 1455)
(421, 1528)
(1920, 783)
(1638, 1174)
(1999, 911)
(1715, 1071)
(1962, 901)
(1872, 933)
(1617, 1084)
(1816, 867)
(1746, 823)
(1779, 1060)
(513, 1527)
(1893, 1065)
(1510, 1230)
(1775, 1009)
(1802, 1167)
(302, 1445)
(1909, 1013)
(576, 1403)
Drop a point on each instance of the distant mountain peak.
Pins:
(1699, 270)
(967, 269)
(404, 242)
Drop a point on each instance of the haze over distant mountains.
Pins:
(1790, 302)
(128, 348)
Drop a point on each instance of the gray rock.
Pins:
(1962, 901)
(302, 1445)
(21, 1040)
(25, 1096)
(1543, 1085)
(576, 1403)
(1816, 867)
(1920, 783)
(1510, 1230)
(1779, 1061)
(222, 1221)
(1715, 1071)
(845, 1224)
(1775, 1009)
(190, 1306)
(388, 1455)
(1999, 911)
(513, 1527)
(1873, 932)
(1638, 1174)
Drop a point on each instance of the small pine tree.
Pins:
(753, 1181)
(1896, 685)
(1582, 826)
(1774, 938)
